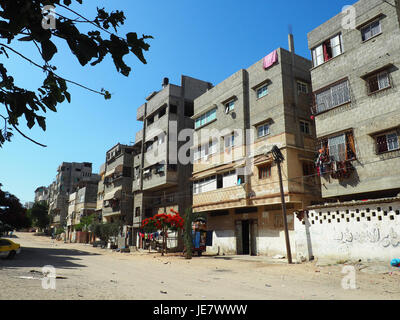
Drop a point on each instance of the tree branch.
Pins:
(47, 70)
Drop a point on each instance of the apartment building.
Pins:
(81, 203)
(160, 181)
(355, 79)
(69, 175)
(42, 194)
(235, 180)
(116, 195)
(100, 193)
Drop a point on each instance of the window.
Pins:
(149, 146)
(340, 147)
(305, 127)
(150, 120)
(371, 30)
(264, 172)
(336, 95)
(229, 141)
(302, 87)
(378, 82)
(205, 150)
(308, 169)
(327, 50)
(262, 92)
(230, 106)
(162, 112)
(173, 109)
(263, 130)
(137, 212)
(206, 118)
(387, 142)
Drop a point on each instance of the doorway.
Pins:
(246, 237)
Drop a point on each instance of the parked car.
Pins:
(8, 248)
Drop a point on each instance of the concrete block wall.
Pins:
(369, 230)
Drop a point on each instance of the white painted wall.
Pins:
(358, 234)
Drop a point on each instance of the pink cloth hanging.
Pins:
(270, 59)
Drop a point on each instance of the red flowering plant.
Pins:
(163, 222)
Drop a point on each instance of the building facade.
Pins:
(81, 203)
(160, 181)
(355, 79)
(69, 175)
(42, 194)
(235, 180)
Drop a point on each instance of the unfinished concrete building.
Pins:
(235, 180)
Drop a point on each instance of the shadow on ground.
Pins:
(40, 257)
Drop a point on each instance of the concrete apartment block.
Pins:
(69, 176)
(368, 60)
(42, 194)
(261, 107)
(81, 203)
(160, 181)
(117, 200)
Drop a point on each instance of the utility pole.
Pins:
(279, 158)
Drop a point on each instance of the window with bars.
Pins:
(332, 97)
(378, 81)
(387, 142)
(371, 30)
(264, 172)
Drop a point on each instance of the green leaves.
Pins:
(21, 20)
(48, 50)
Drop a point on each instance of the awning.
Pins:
(117, 169)
(115, 194)
(213, 171)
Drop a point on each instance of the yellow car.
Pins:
(9, 249)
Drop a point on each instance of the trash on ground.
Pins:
(278, 256)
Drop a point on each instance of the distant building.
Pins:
(69, 176)
(42, 194)
(28, 205)
(81, 203)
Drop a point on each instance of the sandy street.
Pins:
(92, 273)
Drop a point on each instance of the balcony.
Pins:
(220, 198)
(140, 113)
(139, 136)
(160, 180)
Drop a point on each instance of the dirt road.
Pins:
(94, 273)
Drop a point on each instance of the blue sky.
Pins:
(208, 40)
